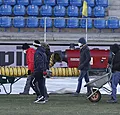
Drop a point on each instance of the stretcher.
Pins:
(10, 75)
(98, 83)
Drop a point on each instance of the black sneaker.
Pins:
(36, 98)
(46, 99)
(40, 100)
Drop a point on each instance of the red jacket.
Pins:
(30, 58)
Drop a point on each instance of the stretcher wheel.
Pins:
(96, 96)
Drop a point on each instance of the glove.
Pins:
(44, 73)
(29, 72)
(49, 73)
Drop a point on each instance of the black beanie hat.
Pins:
(36, 43)
(82, 40)
(72, 46)
(25, 46)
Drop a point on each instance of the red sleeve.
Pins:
(30, 61)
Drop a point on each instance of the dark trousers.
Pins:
(34, 85)
(83, 74)
(41, 83)
(29, 83)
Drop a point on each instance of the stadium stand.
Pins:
(63, 14)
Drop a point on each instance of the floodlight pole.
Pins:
(45, 29)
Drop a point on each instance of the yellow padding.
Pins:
(21, 71)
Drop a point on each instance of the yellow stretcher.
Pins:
(10, 75)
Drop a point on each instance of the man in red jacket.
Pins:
(30, 62)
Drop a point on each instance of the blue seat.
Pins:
(19, 10)
(100, 23)
(103, 3)
(10, 2)
(76, 2)
(72, 23)
(5, 22)
(5, 10)
(99, 11)
(36, 2)
(113, 23)
(59, 22)
(89, 11)
(23, 2)
(32, 22)
(83, 23)
(49, 2)
(48, 22)
(62, 2)
(0, 2)
(19, 22)
(46, 10)
(91, 3)
(32, 10)
(72, 11)
(59, 11)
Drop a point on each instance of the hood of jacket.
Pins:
(41, 49)
(84, 47)
(115, 48)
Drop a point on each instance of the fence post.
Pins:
(86, 30)
(45, 29)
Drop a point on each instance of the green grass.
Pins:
(57, 105)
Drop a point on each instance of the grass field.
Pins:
(57, 105)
